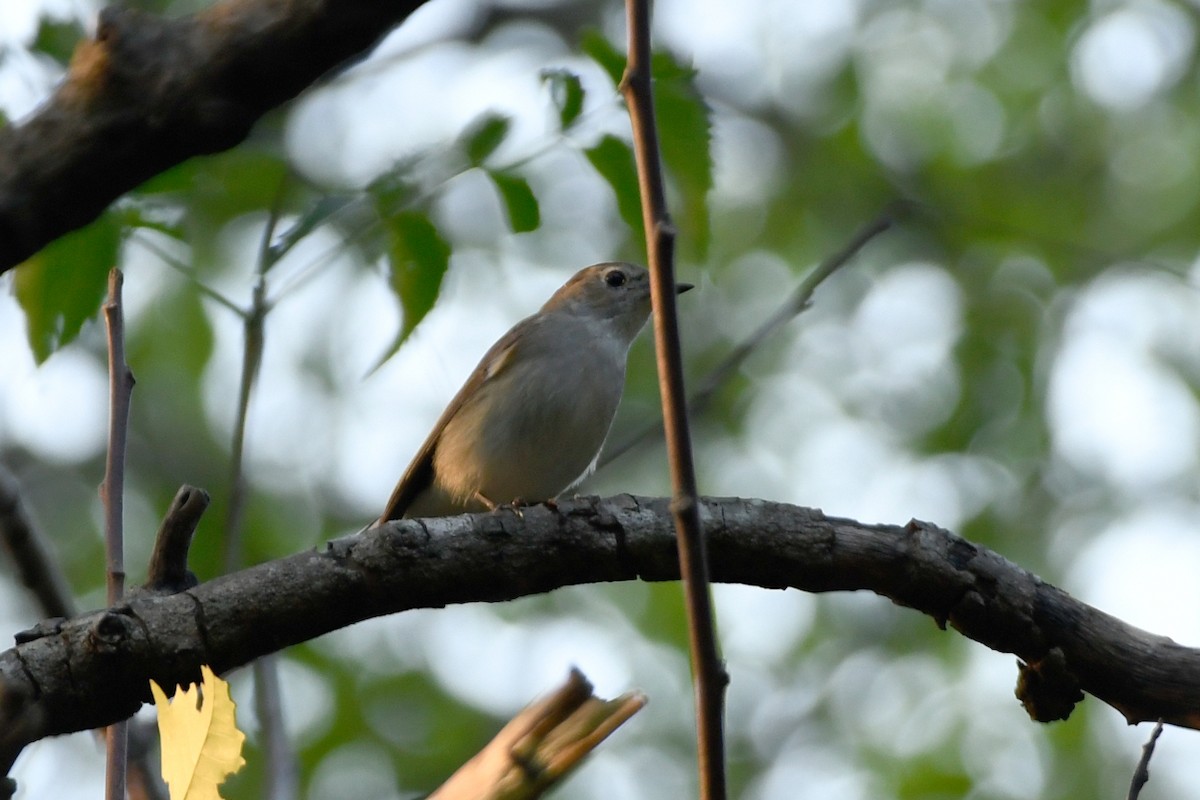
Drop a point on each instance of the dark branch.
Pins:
(94, 669)
(148, 93)
(30, 552)
(168, 571)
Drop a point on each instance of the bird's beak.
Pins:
(680, 288)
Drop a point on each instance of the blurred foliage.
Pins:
(685, 136)
(419, 259)
(57, 37)
(613, 158)
(483, 136)
(63, 285)
(1029, 181)
(520, 203)
(566, 92)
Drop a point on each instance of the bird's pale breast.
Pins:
(534, 428)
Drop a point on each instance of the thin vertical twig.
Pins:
(708, 670)
(1141, 774)
(282, 771)
(112, 492)
(252, 353)
(42, 574)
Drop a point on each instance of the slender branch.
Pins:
(95, 668)
(112, 491)
(44, 577)
(1141, 774)
(30, 552)
(253, 341)
(283, 772)
(282, 768)
(798, 302)
(120, 389)
(708, 670)
(188, 272)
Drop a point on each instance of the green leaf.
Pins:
(184, 354)
(524, 215)
(221, 187)
(602, 51)
(484, 135)
(394, 191)
(64, 284)
(418, 257)
(613, 159)
(566, 92)
(684, 130)
(685, 136)
(57, 38)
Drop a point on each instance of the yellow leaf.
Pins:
(201, 744)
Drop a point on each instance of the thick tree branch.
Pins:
(148, 93)
(95, 668)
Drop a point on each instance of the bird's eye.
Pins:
(615, 278)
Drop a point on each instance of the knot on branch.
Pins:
(1047, 689)
(111, 629)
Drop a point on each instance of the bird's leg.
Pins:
(487, 503)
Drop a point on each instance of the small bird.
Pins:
(530, 421)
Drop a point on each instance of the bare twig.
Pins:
(282, 771)
(30, 552)
(1141, 774)
(541, 745)
(708, 670)
(112, 491)
(188, 272)
(41, 573)
(252, 354)
(798, 302)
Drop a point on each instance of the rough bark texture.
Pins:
(148, 93)
(94, 669)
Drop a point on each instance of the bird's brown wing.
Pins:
(419, 475)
